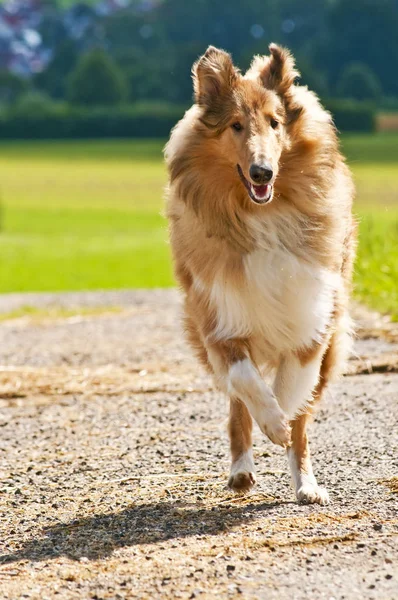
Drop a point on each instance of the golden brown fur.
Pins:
(239, 261)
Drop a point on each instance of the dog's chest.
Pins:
(281, 300)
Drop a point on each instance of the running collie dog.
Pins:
(263, 239)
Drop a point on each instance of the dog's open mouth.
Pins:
(260, 194)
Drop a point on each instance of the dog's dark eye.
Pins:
(274, 123)
(237, 126)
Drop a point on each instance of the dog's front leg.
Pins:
(295, 384)
(250, 396)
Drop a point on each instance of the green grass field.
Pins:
(87, 215)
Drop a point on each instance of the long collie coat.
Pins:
(262, 234)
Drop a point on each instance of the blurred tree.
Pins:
(52, 28)
(191, 27)
(139, 44)
(11, 87)
(97, 81)
(314, 78)
(155, 42)
(54, 79)
(360, 30)
(145, 74)
(34, 104)
(359, 82)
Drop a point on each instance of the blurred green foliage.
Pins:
(143, 53)
(36, 117)
(351, 115)
(11, 87)
(155, 43)
(359, 82)
(96, 81)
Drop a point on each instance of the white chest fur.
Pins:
(283, 299)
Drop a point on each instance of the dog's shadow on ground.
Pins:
(99, 535)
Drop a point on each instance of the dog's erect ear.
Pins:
(281, 70)
(277, 72)
(213, 76)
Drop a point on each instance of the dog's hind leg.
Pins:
(240, 426)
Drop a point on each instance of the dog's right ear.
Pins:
(213, 76)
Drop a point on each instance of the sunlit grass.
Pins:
(82, 215)
(374, 162)
(376, 270)
(87, 215)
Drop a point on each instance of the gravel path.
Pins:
(114, 460)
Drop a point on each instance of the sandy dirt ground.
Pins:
(114, 460)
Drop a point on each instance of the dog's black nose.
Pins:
(261, 173)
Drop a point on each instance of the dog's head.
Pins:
(248, 116)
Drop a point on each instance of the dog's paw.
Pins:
(242, 477)
(242, 481)
(277, 428)
(312, 494)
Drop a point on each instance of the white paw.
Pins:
(242, 477)
(310, 493)
(242, 481)
(276, 426)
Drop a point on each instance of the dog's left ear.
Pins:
(278, 72)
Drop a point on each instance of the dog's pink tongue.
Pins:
(260, 190)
